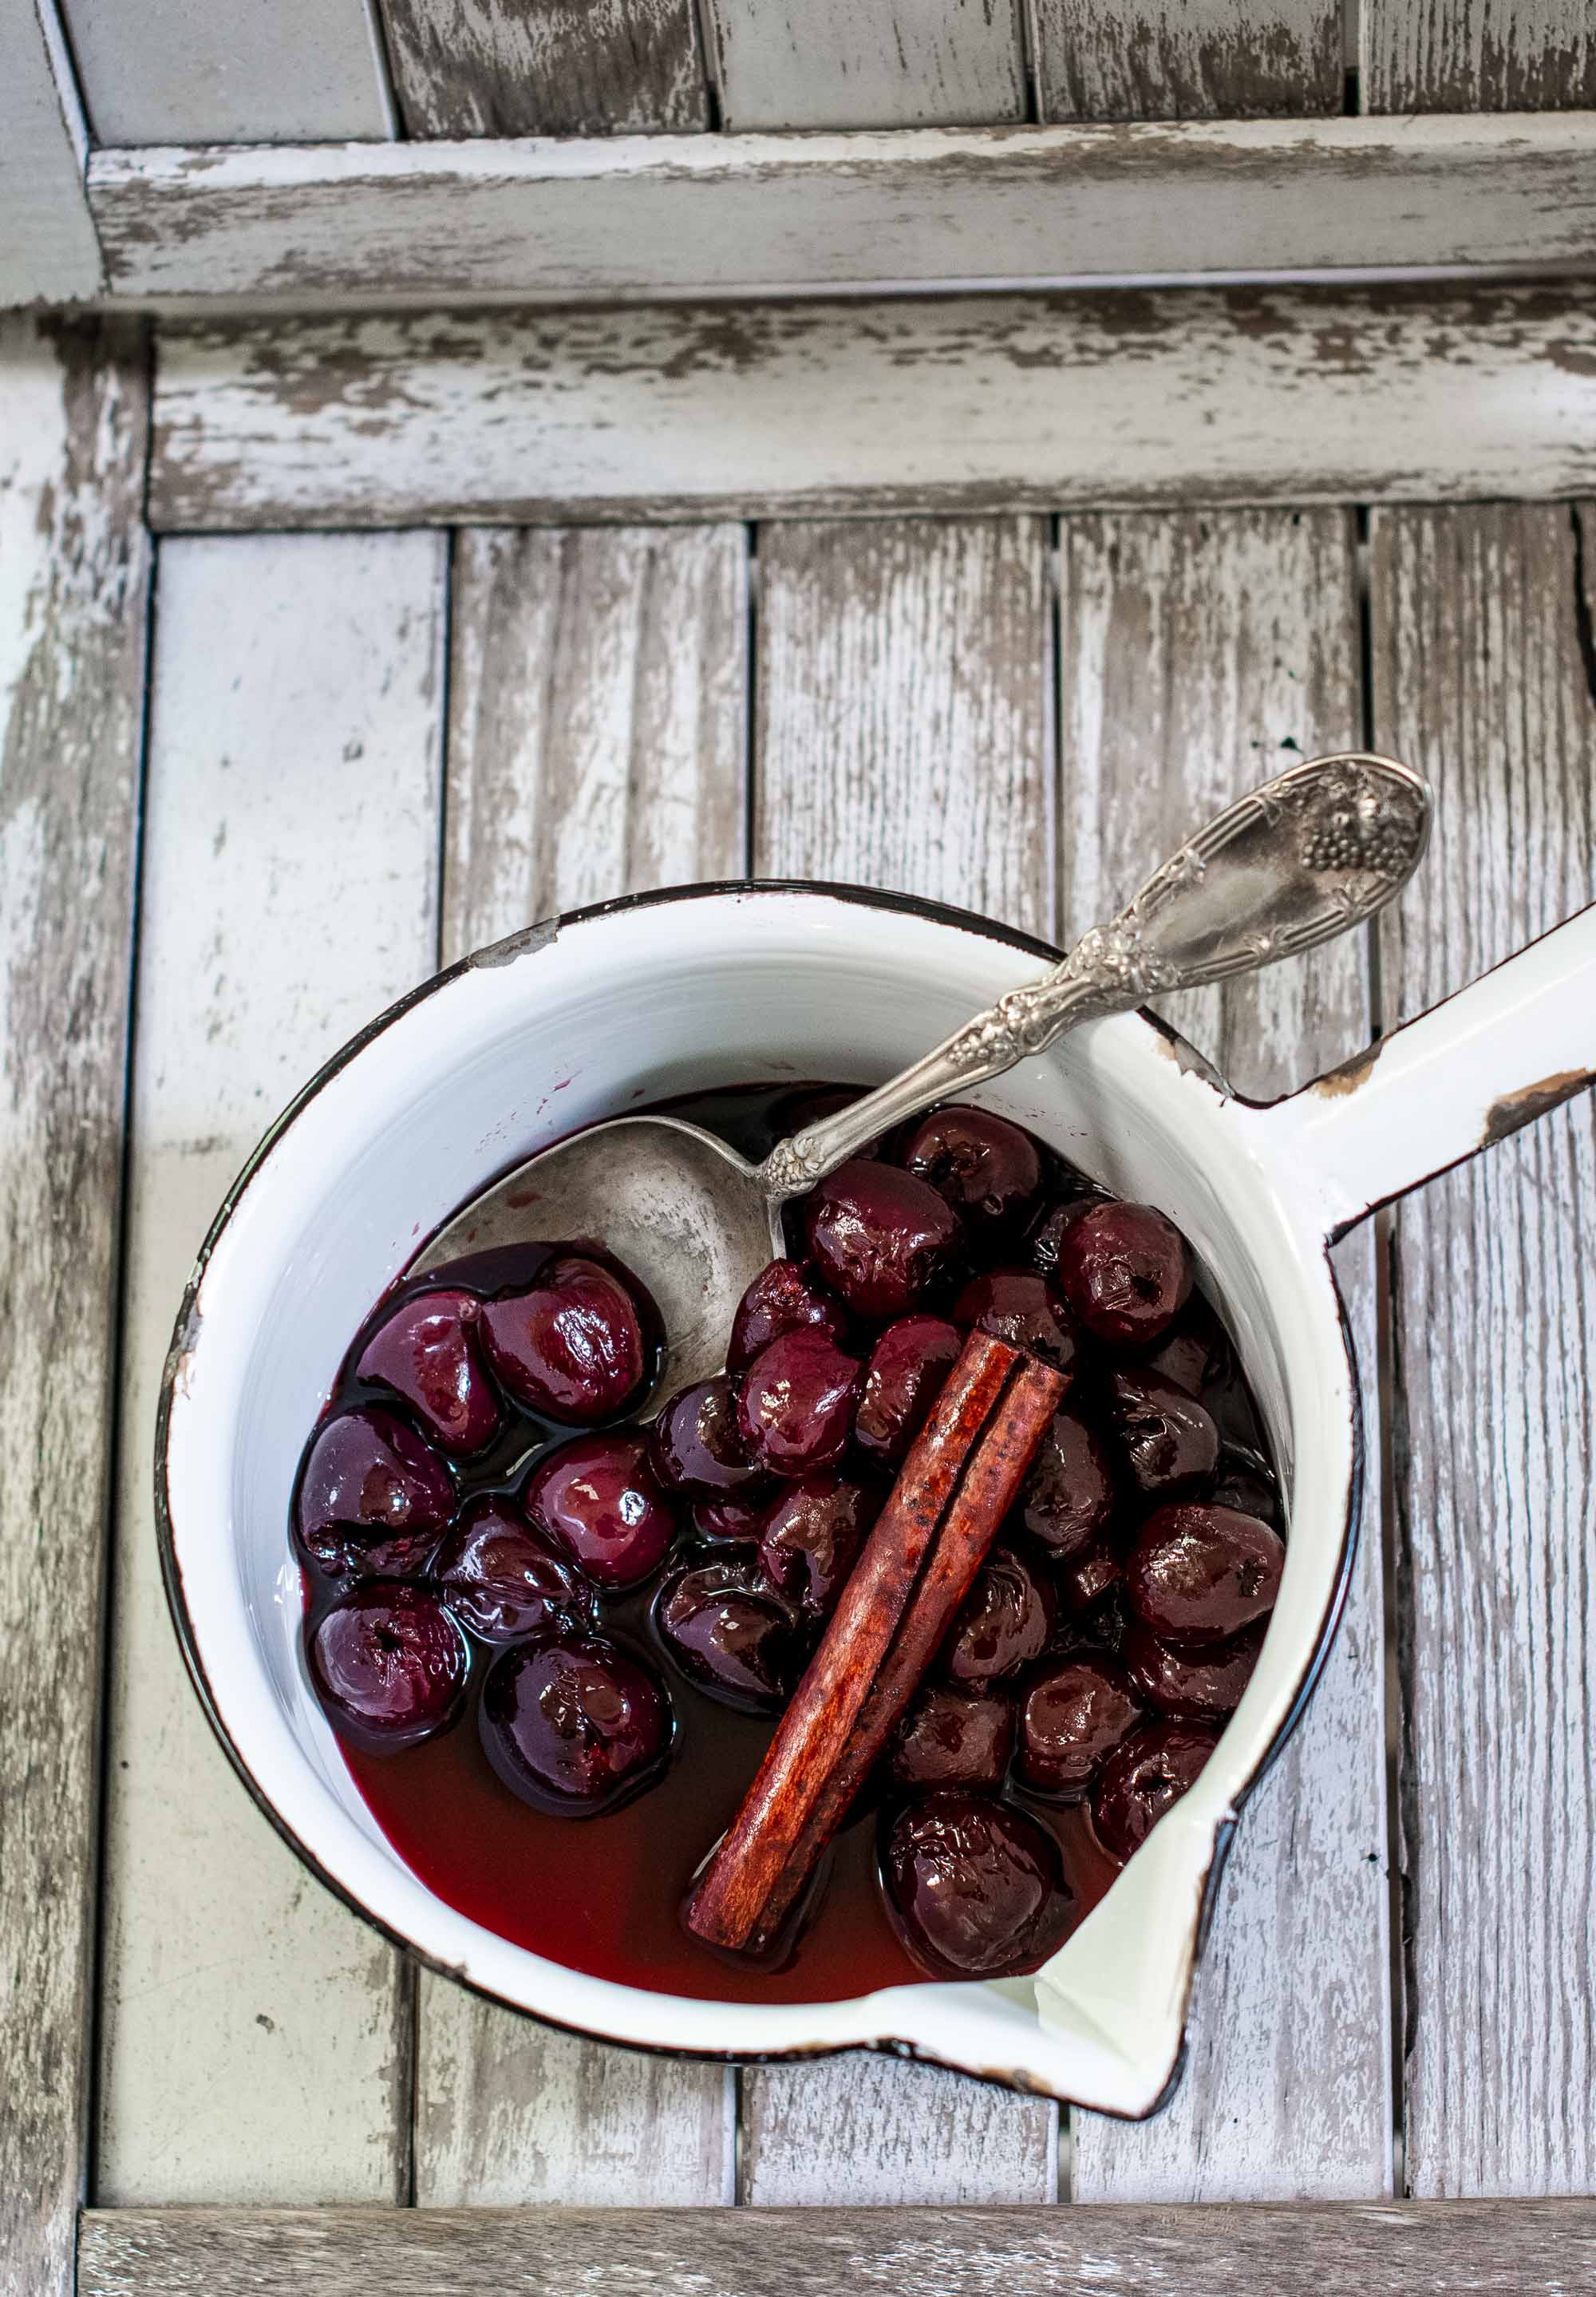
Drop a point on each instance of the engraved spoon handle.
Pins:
(1312, 853)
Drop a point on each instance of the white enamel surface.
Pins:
(716, 990)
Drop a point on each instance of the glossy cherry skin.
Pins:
(1067, 1497)
(427, 1352)
(504, 1580)
(781, 1299)
(882, 1239)
(1125, 1272)
(731, 1522)
(389, 1664)
(795, 1409)
(1018, 1306)
(1193, 1686)
(372, 1496)
(987, 1169)
(574, 1723)
(1074, 1193)
(1200, 1574)
(1149, 1771)
(903, 1378)
(1196, 1352)
(1167, 1445)
(1090, 1576)
(574, 1345)
(812, 1537)
(696, 1446)
(975, 1889)
(1004, 1622)
(952, 1738)
(732, 1634)
(597, 1497)
(1074, 1713)
(1246, 1482)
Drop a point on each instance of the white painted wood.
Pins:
(954, 404)
(903, 739)
(563, 67)
(897, 63)
(255, 2039)
(226, 71)
(49, 251)
(74, 590)
(1197, 650)
(597, 725)
(1182, 59)
(1477, 55)
(647, 215)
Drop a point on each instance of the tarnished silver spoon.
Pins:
(1312, 853)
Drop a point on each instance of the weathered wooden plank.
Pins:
(903, 739)
(598, 721)
(1197, 650)
(1477, 55)
(645, 216)
(902, 64)
(228, 72)
(1483, 676)
(476, 68)
(74, 586)
(49, 251)
(1171, 60)
(1540, 2249)
(255, 2037)
(959, 403)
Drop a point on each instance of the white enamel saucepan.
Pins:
(580, 1019)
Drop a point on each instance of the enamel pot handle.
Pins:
(1515, 1043)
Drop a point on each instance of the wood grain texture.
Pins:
(903, 738)
(530, 68)
(49, 249)
(899, 63)
(1481, 622)
(1477, 55)
(642, 216)
(74, 587)
(1545, 2249)
(1200, 655)
(1171, 60)
(597, 720)
(255, 2037)
(962, 403)
(224, 72)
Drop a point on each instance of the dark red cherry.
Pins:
(882, 1239)
(780, 1299)
(389, 1664)
(1167, 1445)
(975, 1889)
(597, 1497)
(1004, 1622)
(697, 1447)
(731, 1522)
(574, 1724)
(1196, 1353)
(573, 1346)
(1125, 1271)
(504, 1580)
(1144, 1775)
(796, 1410)
(731, 1633)
(1090, 1577)
(1246, 1482)
(987, 1168)
(903, 1379)
(1018, 1306)
(1067, 1498)
(1194, 1686)
(812, 1537)
(1072, 1715)
(953, 1738)
(1074, 1193)
(1200, 1574)
(427, 1352)
(372, 1496)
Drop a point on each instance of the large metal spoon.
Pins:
(1312, 853)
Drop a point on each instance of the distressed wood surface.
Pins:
(528, 67)
(642, 216)
(1545, 2249)
(1174, 59)
(1477, 55)
(1200, 655)
(49, 249)
(255, 2039)
(1484, 678)
(685, 411)
(897, 63)
(74, 587)
(903, 738)
(227, 71)
(597, 729)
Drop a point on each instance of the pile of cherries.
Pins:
(474, 1507)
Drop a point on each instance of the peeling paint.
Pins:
(1505, 1116)
(524, 944)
